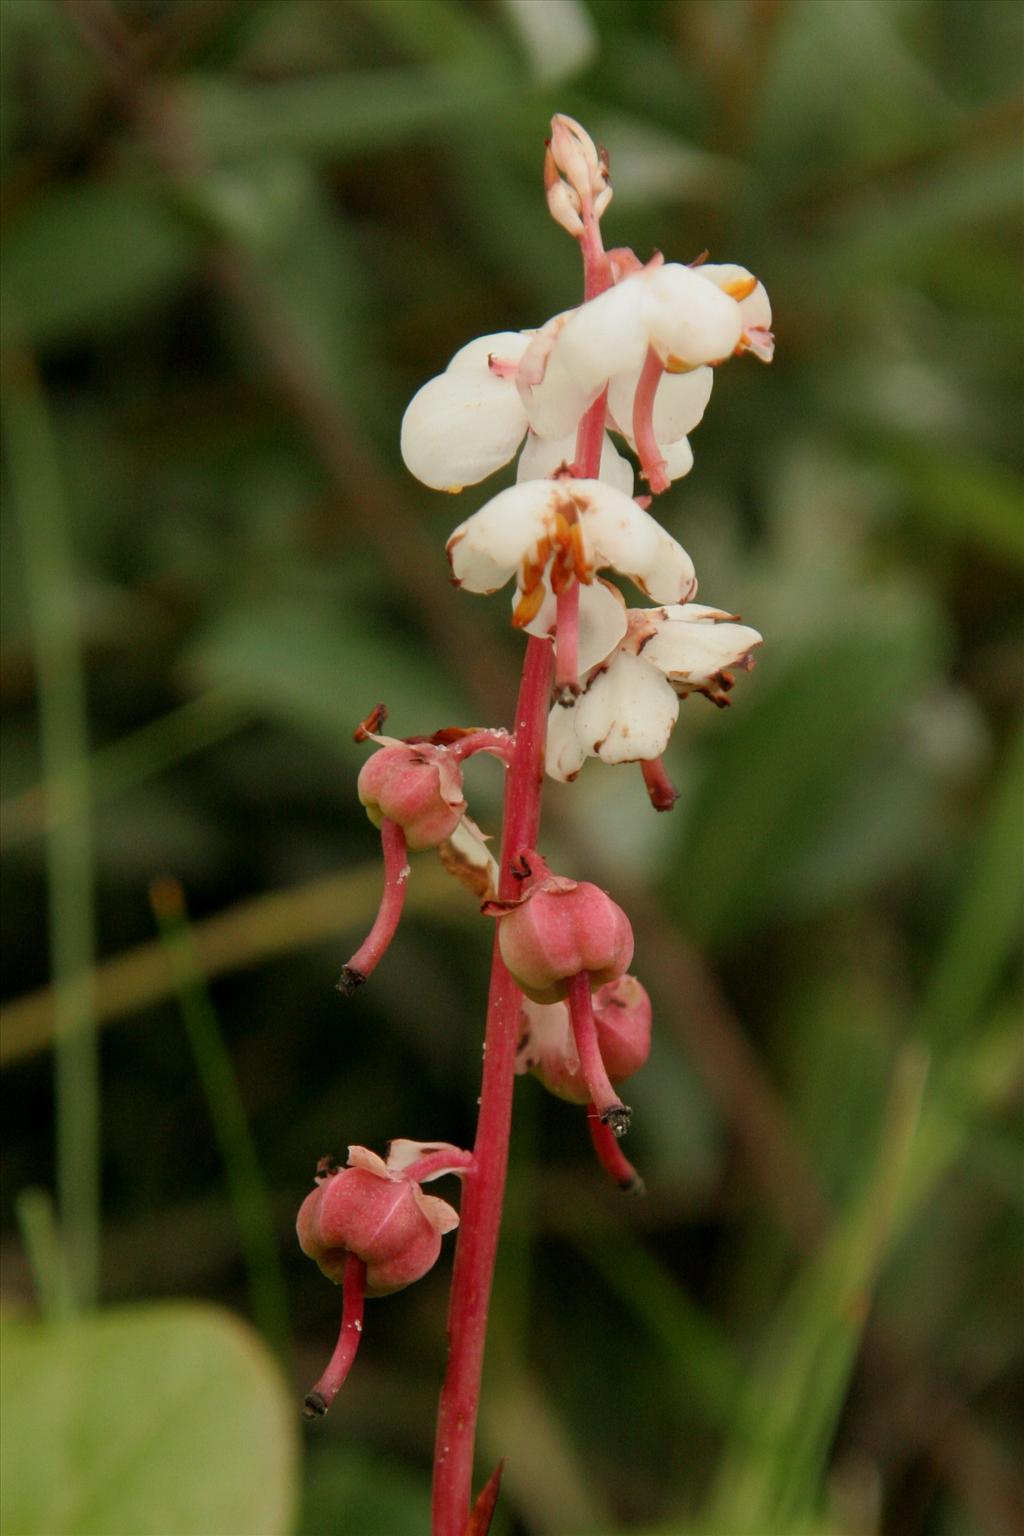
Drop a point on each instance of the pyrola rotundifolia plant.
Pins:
(633, 364)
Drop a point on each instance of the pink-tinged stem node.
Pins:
(396, 873)
(652, 465)
(611, 1156)
(660, 789)
(609, 1107)
(327, 1388)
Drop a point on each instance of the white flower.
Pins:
(469, 421)
(686, 319)
(546, 532)
(755, 308)
(630, 704)
(543, 457)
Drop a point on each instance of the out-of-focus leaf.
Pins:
(987, 920)
(142, 1422)
(345, 1490)
(972, 498)
(774, 780)
(312, 671)
(339, 115)
(90, 257)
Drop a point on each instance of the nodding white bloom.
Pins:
(629, 706)
(548, 532)
(755, 308)
(685, 318)
(469, 421)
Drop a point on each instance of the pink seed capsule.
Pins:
(559, 929)
(418, 787)
(382, 1217)
(547, 1045)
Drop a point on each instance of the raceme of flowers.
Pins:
(626, 374)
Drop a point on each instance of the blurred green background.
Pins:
(237, 235)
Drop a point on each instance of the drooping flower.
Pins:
(630, 703)
(755, 308)
(547, 1045)
(418, 786)
(548, 533)
(559, 929)
(376, 1210)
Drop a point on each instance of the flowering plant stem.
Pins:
(484, 1184)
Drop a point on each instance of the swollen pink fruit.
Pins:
(419, 787)
(378, 1214)
(547, 1046)
(558, 929)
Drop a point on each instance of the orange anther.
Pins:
(740, 288)
(529, 605)
(580, 563)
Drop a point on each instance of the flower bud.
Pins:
(418, 787)
(379, 1214)
(558, 929)
(547, 1047)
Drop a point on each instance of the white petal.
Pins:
(461, 427)
(627, 713)
(621, 535)
(565, 754)
(678, 458)
(688, 319)
(755, 308)
(402, 1153)
(603, 621)
(438, 1212)
(362, 1157)
(605, 336)
(679, 404)
(689, 648)
(541, 457)
(506, 346)
(555, 405)
(486, 549)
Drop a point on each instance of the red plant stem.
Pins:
(606, 1101)
(652, 464)
(611, 1156)
(333, 1379)
(396, 873)
(484, 1188)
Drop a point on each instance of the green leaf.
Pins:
(338, 115)
(776, 778)
(307, 669)
(89, 257)
(142, 1422)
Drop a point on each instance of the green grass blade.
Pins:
(39, 501)
(247, 1190)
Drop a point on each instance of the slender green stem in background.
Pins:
(246, 1187)
(41, 1239)
(39, 501)
(987, 918)
(132, 760)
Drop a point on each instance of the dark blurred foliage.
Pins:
(238, 235)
